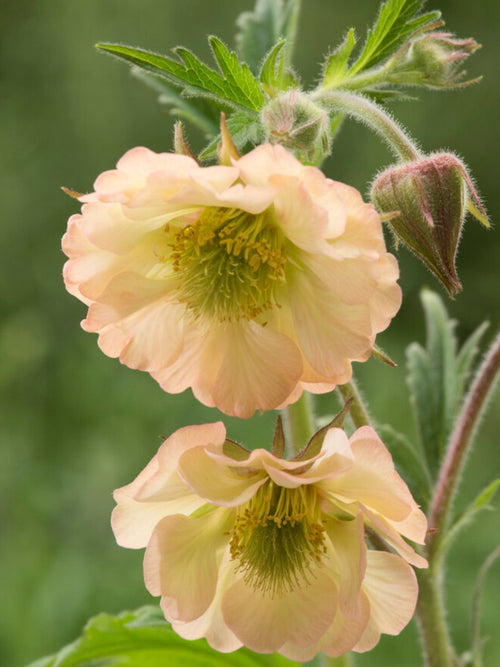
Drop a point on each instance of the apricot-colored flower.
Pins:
(248, 283)
(245, 548)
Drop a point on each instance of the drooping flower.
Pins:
(246, 548)
(249, 283)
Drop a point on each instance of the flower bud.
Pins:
(425, 203)
(437, 57)
(294, 121)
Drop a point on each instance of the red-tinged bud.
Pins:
(428, 200)
(296, 122)
(436, 59)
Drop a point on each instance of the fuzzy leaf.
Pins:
(432, 379)
(273, 75)
(409, 462)
(466, 358)
(143, 639)
(397, 21)
(260, 29)
(480, 503)
(234, 84)
(335, 68)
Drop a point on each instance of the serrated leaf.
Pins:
(261, 28)
(234, 85)
(244, 129)
(409, 462)
(336, 64)
(397, 21)
(273, 75)
(432, 380)
(143, 639)
(480, 503)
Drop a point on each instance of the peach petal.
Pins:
(265, 623)
(349, 554)
(392, 537)
(392, 590)
(221, 485)
(211, 624)
(373, 479)
(180, 561)
(259, 368)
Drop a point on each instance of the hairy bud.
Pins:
(297, 123)
(425, 203)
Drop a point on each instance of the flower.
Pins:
(249, 283)
(246, 548)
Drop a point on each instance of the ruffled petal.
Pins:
(220, 484)
(392, 590)
(211, 624)
(265, 623)
(180, 562)
(373, 480)
(349, 556)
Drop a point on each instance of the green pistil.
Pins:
(229, 263)
(278, 539)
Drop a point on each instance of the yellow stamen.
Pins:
(229, 263)
(278, 538)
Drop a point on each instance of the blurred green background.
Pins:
(74, 424)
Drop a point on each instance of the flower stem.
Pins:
(431, 618)
(299, 423)
(362, 109)
(460, 443)
(359, 413)
(342, 661)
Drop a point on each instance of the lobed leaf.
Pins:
(243, 128)
(397, 21)
(142, 638)
(336, 64)
(260, 29)
(234, 84)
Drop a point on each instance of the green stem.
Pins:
(460, 443)
(431, 616)
(299, 423)
(362, 109)
(359, 413)
(345, 660)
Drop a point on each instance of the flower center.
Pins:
(230, 263)
(278, 538)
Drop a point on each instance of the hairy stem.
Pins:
(460, 443)
(362, 109)
(431, 616)
(299, 423)
(359, 413)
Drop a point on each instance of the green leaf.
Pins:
(234, 85)
(432, 380)
(335, 67)
(397, 21)
(143, 639)
(466, 358)
(243, 128)
(273, 75)
(480, 503)
(409, 462)
(477, 641)
(260, 29)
